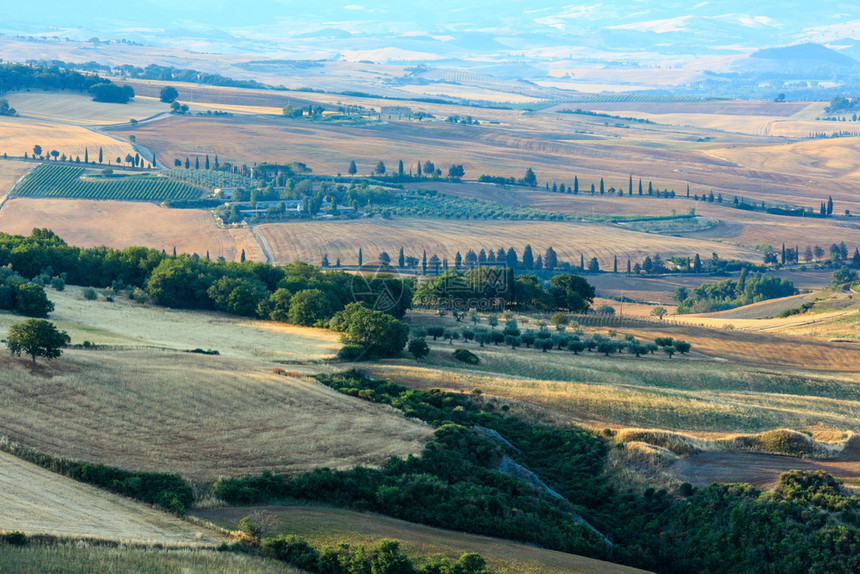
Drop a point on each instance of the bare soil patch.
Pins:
(762, 470)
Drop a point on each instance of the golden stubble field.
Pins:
(80, 109)
(119, 224)
(137, 402)
(308, 241)
(19, 135)
(38, 501)
(199, 416)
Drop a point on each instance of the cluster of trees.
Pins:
(23, 296)
(544, 340)
(423, 171)
(496, 288)
(6, 109)
(838, 255)
(297, 293)
(383, 558)
(729, 294)
(529, 179)
(802, 526)
(171, 74)
(20, 76)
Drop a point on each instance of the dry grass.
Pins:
(128, 323)
(37, 501)
(681, 394)
(88, 223)
(308, 241)
(78, 556)
(20, 134)
(200, 416)
(329, 527)
(80, 109)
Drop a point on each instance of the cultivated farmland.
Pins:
(308, 241)
(121, 224)
(196, 415)
(57, 181)
(19, 135)
(38, 501)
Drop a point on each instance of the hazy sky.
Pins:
(610, 24)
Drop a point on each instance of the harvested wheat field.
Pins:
(38, 501)
(80, 109)
(130, 324)
(120, 224)
(329, 527)
(196, 415)
(19, 135)
(308, 241)
(10, 173)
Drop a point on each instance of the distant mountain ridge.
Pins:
(808, 51)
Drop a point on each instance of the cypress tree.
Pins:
(197, 162)
(207, 161)
(640, 186)
(628, 266)
(581, 262)
(630, 185)
(528, 258)
(615, 265)
(783, 254)
(242, 257)
(400, 167)
(650, 189)
(86, 155)
(100, 155)
(401, 259)
(360, 257)
(688, 190)
(575, 185)
(601, 186)
(829, 205)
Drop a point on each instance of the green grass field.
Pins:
(66, 181)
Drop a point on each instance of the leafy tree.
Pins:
(530, 179)
(169, 94)
(380, 168)
(32, 301)
(593, 265)
(6, 109)
(543, 344)
(669, 350)
(572, 292)
(379, 333)
(682, 347)
(456, 171)
(418, 348)
(658, 312)
(36, 338)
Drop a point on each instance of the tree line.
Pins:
(21, 76)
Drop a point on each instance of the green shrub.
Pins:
(16, 538)
(351, 353)
(89, 294)
(466, 356)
